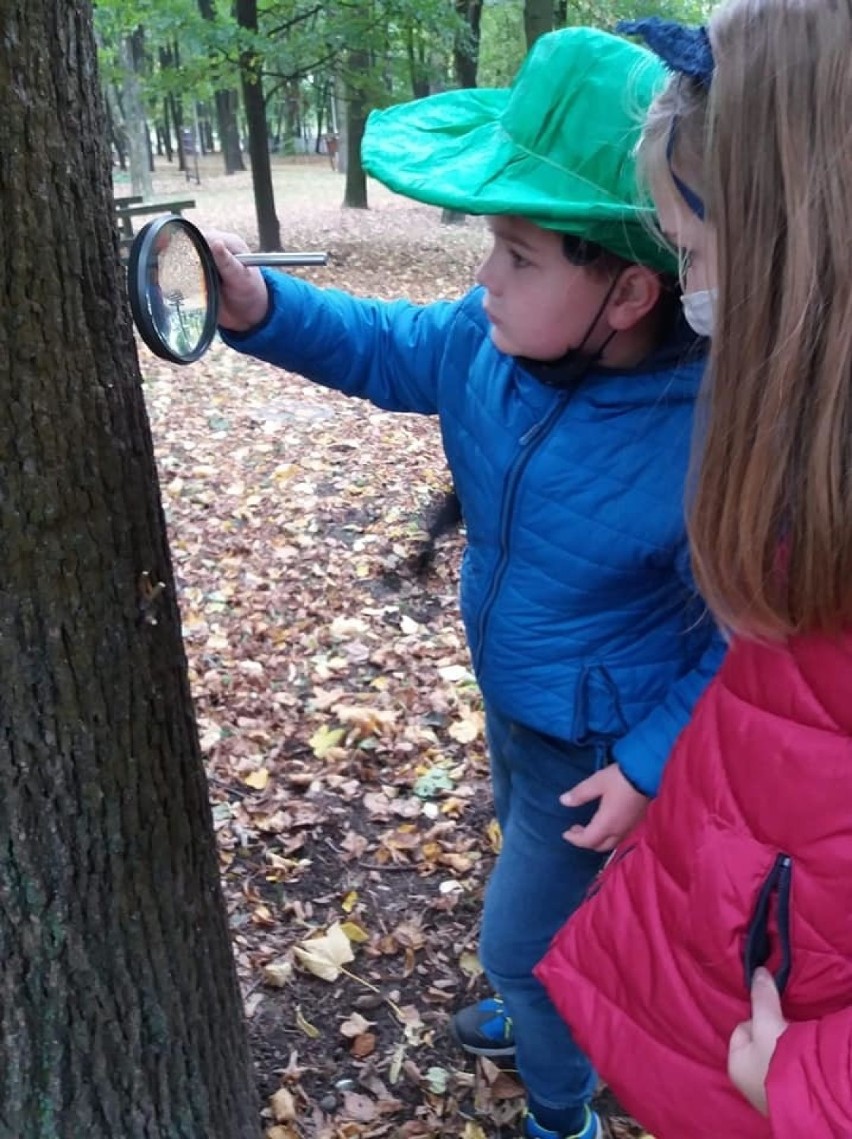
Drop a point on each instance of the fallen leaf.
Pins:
(324, 956)
(355, 932)
(305, 1025)
(324, 739)
(363, 1045)
(355, 1025)
(277, 974)
(283, 1106)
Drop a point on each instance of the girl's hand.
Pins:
(243, 297)
(621, 807)
(753, 1043)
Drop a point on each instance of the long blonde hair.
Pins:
(771, 513)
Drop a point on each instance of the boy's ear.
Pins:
(635, 295)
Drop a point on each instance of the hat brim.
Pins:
(452, 151)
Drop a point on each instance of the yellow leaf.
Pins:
(469, 728)
(283, 1106)
(495, 838)
(257, 779)
(324, 956)
(472, 1131)
(349, 902)
(470, 964)
(324, 739)
(305, 1025)
(354, 932)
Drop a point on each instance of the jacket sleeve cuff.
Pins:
(809, 1083)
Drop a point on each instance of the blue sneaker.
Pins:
(485, 1029)
(591, 1129)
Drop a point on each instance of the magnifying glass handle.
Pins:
(291, 259)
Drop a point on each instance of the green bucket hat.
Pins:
(557, 147)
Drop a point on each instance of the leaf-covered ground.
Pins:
(341, 725)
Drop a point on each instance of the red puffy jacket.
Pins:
(745, 858)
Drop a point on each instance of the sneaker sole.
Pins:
(491, 1051)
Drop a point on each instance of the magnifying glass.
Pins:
(173, 285)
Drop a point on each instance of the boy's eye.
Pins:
(518, 260)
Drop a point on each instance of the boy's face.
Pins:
(539, 304)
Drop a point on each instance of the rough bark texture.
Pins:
(119, 1011)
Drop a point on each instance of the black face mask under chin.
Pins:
(568, 370)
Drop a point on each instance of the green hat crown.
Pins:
(557, 147)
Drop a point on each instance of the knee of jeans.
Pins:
(506, 958)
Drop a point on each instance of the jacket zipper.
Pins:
(758, 945)
(530, 441)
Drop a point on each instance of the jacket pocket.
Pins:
(768, 932)
(597, 706)
(723, 876)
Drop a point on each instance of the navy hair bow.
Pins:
(685, 50)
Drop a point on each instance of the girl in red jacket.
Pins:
(709, 974)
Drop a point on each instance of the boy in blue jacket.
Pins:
(565, 385)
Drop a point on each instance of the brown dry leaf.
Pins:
(359, 1107)
(363, 1045)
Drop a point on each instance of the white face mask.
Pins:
(699, 308)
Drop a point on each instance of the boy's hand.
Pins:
(753, 1043)
(621, 808)
(243, 297)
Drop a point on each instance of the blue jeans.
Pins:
(537, 882)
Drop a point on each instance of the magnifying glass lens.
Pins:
(177, 295)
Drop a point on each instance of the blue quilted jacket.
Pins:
(581, 614)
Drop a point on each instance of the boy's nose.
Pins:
(484, 276)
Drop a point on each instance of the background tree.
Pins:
(538, 19)
(119, 1009)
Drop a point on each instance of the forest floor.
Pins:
(340, 723)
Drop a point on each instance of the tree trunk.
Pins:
(466, 64)
(466, 47)
(418, 68)
(538, 19)
(268, 228)
(340, 124)
(229, 134)
(138, 142)
(358, 64)
(120, 1014)
(226, 110)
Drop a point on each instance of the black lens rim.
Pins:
(141, 251)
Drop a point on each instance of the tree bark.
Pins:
(226, 110)
(120, 1016)
(466, 64)
(538, 19)
(355, 196)
(466, 47)
(229, 134)
(269, 230)
(134, 115)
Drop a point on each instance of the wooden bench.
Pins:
(129, 208)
